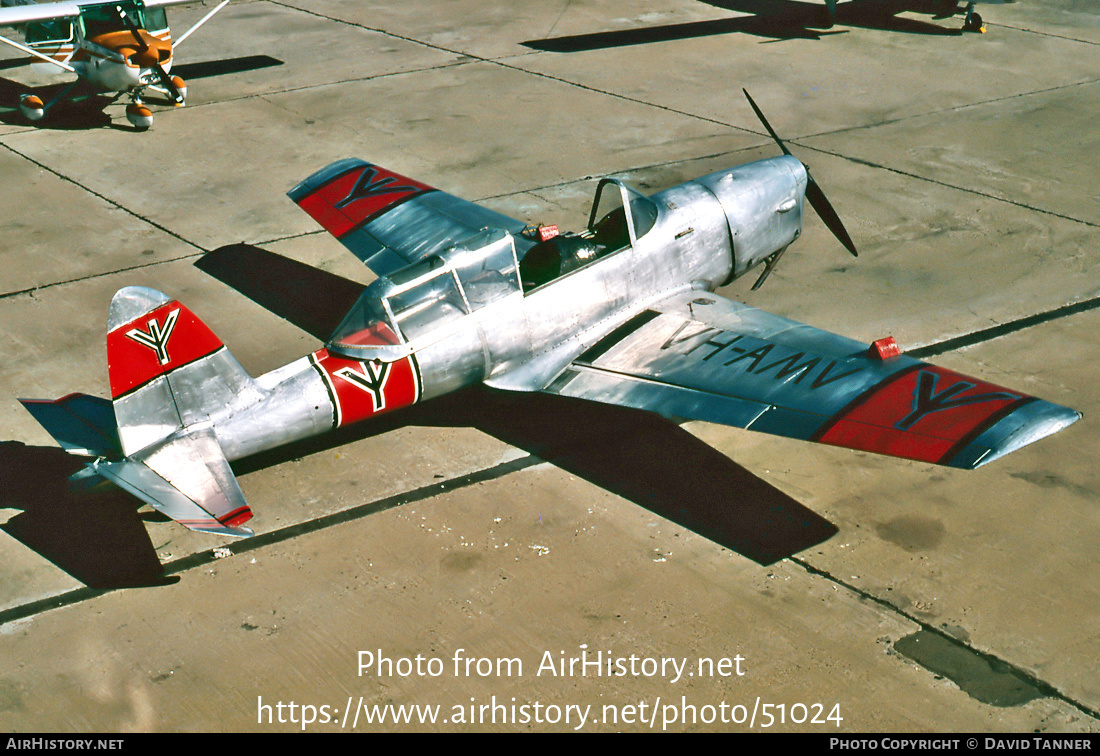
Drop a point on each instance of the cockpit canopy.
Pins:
(104, 18)
(416, 304)
(617, 229)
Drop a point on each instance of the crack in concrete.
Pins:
(988, 334)
(499, 62)
(198, 559)
(183, 564)
(956, 187)
(113, 203)
(1046, 688)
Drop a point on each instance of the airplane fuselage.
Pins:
(112, 63)
(700, 235)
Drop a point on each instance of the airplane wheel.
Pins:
(973, 23)
(181, 86)
(31, 107)
(139, 116)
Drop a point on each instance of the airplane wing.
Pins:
(387, 220)
(188, 479)
(24, 14)
(28, 12)
(699, 356)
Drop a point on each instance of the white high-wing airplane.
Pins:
(123, 46)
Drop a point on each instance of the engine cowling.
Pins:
(763, 203)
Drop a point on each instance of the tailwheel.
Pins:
(139, 116)
(31, 107)
(973, 23)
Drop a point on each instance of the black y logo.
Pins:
(157, 337)
(366, 186)
(372, 379)
(926, 400)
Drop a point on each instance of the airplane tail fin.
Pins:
(169, 376)
(167, 370)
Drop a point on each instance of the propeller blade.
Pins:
(132, 27)
(828, 215)
(173, 91)
(816, 197)
(767, 125)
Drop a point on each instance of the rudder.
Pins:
(167, 369)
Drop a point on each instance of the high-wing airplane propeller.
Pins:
(623, 312)
(123, 46)
(144, 58)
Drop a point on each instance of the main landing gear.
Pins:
(32, 108)
(973, 21)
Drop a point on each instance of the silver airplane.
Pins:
(623, 312)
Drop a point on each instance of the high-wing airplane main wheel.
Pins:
(973, 23)
(32, 108)
(139, 116)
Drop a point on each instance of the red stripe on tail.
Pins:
(155, 344)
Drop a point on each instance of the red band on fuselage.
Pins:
(357, 196)
(921, 414)
(154, 344)
(362, 389)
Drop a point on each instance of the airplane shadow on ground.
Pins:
(84, 108)
(96, 536)
(87, 109)
(771, 19)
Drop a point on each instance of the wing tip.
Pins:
(1045, 419)
(317, 179)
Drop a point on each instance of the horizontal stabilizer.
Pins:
(188, 479)
(82, 424)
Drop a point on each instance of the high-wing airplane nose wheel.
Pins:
(816, 197)
(31, 107)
